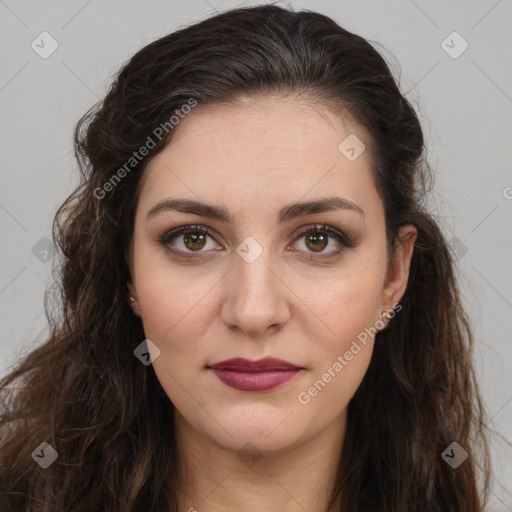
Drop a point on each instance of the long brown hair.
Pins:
(85, 393)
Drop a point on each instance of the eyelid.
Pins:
(334, 232)
(183, 229)
(340, 237)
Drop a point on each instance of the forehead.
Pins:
(271, 128)
(260, 152)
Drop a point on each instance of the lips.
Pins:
(262, 375)
(240, 364)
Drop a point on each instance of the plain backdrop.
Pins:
(453, 60)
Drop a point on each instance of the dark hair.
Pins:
(85, 393)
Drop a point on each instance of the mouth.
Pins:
(262, 375)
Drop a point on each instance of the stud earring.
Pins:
(132, 300)
(386, 316)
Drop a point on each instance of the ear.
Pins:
(132, 292)
(398, 275)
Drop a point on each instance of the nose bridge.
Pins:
(256, 298)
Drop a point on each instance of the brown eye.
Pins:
(184, 241)
(318, 237)
(187, 240)
(316, 241)
(194, 241)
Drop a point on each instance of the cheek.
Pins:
(350, 301)
(175, 322)
(172, 319)
(348, 309)
(340, 358)
(166, 311)
(172, 299)
(330, 390)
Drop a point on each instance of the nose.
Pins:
(257, 298)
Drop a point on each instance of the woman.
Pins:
(257, 311)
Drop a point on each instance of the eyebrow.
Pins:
(286, 213)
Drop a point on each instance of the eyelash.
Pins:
(340, 237)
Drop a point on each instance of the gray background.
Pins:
(465, 105)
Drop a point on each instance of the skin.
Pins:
(252, 158)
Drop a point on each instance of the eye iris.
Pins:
(194, 238)
(317, 237)
(315, 240)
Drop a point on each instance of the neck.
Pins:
(291, 479)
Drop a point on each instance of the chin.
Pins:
(252, 442)
(266, 430)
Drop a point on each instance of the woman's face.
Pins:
(260, 282)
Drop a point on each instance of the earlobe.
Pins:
(397, 279)
(133, 299)
(131, 290)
